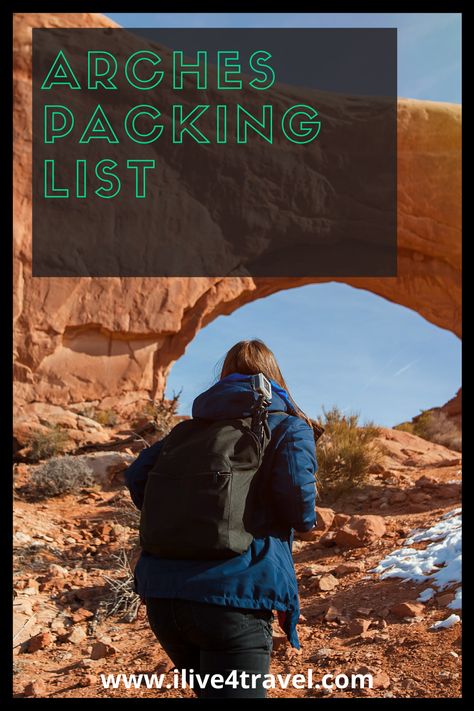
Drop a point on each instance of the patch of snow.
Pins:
(426, 595)
(439, 564)
(447, 623)
(456, 604)
(453, 512)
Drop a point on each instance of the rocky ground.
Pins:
(67, 551)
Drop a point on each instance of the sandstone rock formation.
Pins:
(404, 448)
(107, 338)
(452, 409)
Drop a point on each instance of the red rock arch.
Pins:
(87, 339)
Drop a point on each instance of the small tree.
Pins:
(346, 452)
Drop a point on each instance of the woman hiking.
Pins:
(214, 616)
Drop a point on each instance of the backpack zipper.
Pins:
(219, 473)
(215, 474)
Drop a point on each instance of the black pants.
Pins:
(215, 639)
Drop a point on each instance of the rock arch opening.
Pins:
(336, 345)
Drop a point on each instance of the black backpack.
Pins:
(197, 493)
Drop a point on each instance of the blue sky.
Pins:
(429, 44)
(336, 344)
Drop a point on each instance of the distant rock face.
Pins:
(405, 449)
(103, 339)
(452, 409)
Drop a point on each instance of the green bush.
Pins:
(346, 452)
(49, 443)
(59, 476)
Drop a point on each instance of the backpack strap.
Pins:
(283, 418)
(278, 431)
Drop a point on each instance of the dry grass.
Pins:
(42, 445)
(122, 599)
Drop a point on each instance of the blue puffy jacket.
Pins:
(264, 575)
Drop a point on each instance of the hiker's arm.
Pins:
(293, 478)
(137, 473)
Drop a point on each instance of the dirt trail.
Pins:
(65, 546)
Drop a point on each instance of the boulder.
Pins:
(41, 417)
(340, 519)
(360, 531)
(77, 635)
(407, 609)
(348, 568)
(58, 571)
(328, 540)
(332, 614)
(36, 688)
(358, 626)
(324, 518)
(43, 640)
(101, 650)
(444, 599)
(104, 465)
(381, 680)
(327, 582)
(409, 450)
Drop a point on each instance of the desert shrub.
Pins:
(106, 418)
(122, 599)
(435, 426)
(127, 513)
(59, 476)
(162, 414)
(48, 443)
(346, 452)
(405, 427)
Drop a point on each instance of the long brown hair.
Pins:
(252, 357)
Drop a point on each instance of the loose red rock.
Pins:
(407, 609)
(40, 641)
(360, 531)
